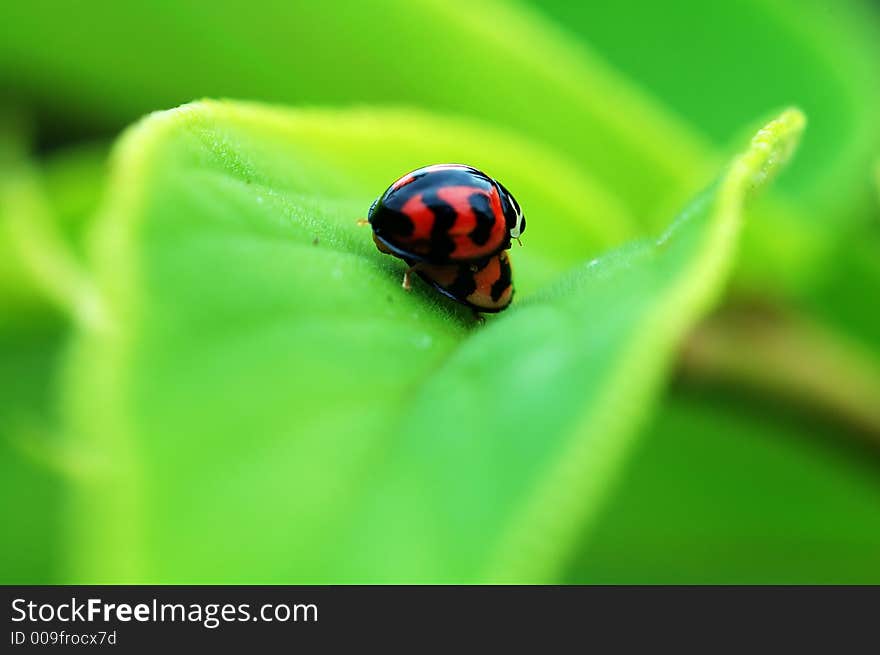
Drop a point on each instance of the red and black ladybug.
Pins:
(483, 285)
(445, 213)
(452, 224)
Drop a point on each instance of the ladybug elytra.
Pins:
(446, 213)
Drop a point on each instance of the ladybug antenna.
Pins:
(519, 242)
(362, 222)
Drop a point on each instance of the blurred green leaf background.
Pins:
(208, 374)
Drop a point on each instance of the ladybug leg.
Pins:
(407, 276)
(519, 242)
(478, 317)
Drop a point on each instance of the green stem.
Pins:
(780, 354)
(48, 261)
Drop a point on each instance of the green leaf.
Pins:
(718, 63)
(42, 213)
(877, 179)
(74, 179)
(743, 487)
(42, 268)
(31, 493)
(842, 300)
(724, 490)
(16, 287)
(270, 406)
(493, 60)
(509, 65)
(839, 299)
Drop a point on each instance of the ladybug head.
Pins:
(516, 222)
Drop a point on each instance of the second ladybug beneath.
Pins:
(445, 213)
(484, 286)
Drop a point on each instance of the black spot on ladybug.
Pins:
(464, 284)
(444, 218)
(482, 210)
(391, 223)
(504, 279)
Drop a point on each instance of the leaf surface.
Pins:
(730, 490)
(270, 406)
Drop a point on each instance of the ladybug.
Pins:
(444, 214)
(483, 285)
